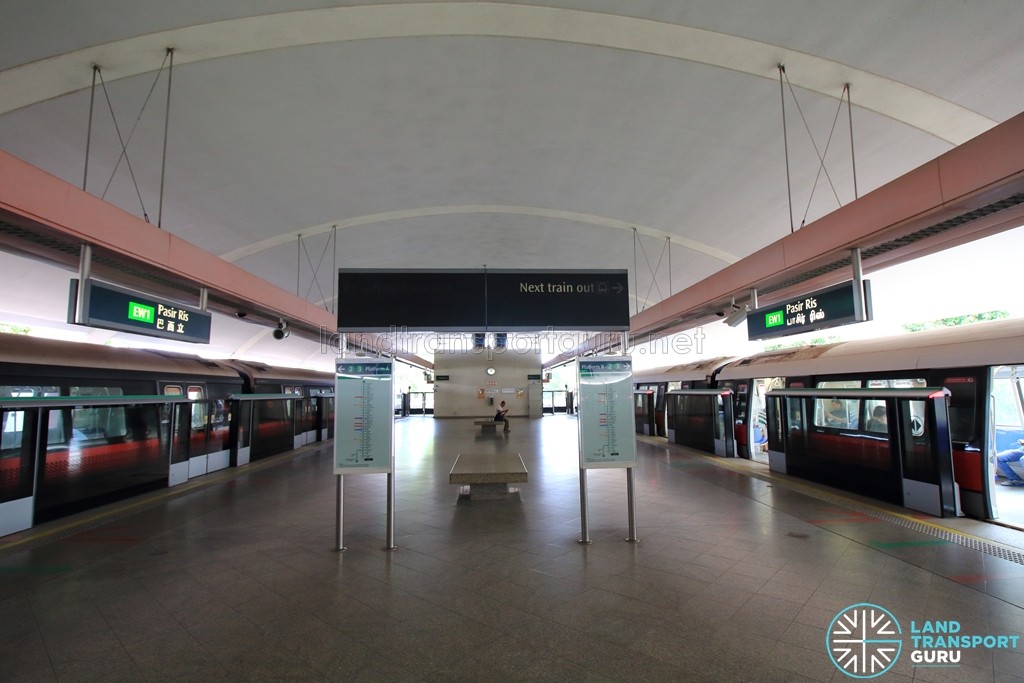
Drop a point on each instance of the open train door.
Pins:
(1004, 426)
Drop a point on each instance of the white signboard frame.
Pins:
(364, 416)
(606, 421)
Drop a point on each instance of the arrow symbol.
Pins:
(618, 287)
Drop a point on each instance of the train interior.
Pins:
(1006, 431)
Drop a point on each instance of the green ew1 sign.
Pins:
(125, 310)
(829, 307)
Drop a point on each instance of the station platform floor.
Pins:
(739, 575)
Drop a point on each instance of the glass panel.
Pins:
(17, 454)
(919, 462)
(10, 391)
(220, 425)
(111, 452)
(273, 424)
(834, 412)
(877, 417)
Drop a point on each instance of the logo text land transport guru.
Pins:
(865, 641)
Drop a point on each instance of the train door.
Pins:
(756, 427)
(1005, 430)
(198, 411)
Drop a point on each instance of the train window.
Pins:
(962, 398)
(877, 417)
(195, 393)
(96, 391)
(28, 391)
(838, 413)
(13, 424)
(173, 390)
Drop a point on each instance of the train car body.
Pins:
(84, 424)
(980, 366)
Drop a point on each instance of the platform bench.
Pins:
(486, 476)
(488, 426)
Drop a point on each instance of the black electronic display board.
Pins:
(829, 307)
(373, 300)
(116, 308)
(521, 301)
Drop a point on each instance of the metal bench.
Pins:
(486, 476)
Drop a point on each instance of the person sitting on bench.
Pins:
(502, 415)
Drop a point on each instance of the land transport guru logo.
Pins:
(865, 641)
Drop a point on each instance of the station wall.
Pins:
(466, 391)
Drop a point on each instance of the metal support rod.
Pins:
(753, 298)
(853, 158)
(625, 342)
(669, 240)
(340, 514)
(631, 504)
(391, 513)
(84, 273)
(204, 298)
(342, 344)
(298, 264)
(858, 284)
(334, 269)
(167, 119)
(584, 520)
(785, 145)
(88, 134)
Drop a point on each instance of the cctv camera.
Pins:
(282, 330)
(241, 314)
(737, 316)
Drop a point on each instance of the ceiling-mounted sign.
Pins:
(372, 300)
(829, 307)
(521, 301)
(125, 310)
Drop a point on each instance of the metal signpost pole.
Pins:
(631, 504)
(584, 522)
(340, 510)
(390, 542)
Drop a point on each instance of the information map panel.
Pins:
(372, 300)
(606, 424)
(364, 416)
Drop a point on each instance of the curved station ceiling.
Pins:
(672, 139)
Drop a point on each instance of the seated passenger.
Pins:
(1003, 460)
(878, 423)
(835, 414)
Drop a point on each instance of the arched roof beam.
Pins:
(52, 77)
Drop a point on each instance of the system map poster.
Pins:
(364, 416)
(606, 420)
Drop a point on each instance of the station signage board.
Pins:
(825, 308)
(607, 433)
(125, 310)
(373, 300)
(364, 416)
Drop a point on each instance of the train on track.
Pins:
(833, 413)
(85, 424)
